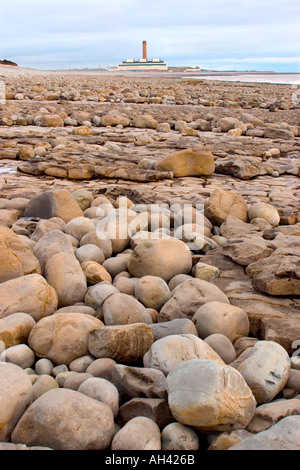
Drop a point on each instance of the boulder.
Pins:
(284, 435)
(90, 252)
(123, 343)
(144, 121)
(222, 346)
(225, 440)
(100, 239)
(79, 227)
(156, 409)
(94, 272)
(152, 291)
(117, 264)
(282, 134)
(228, 123)
(123, 309)
(66, 420)
(49, 120)
(83, 198)
(42, 385)
(162, 258)
(196, 161)
(177, 436)
(166, 353)
(59, 203)
(279, 274)
(20, 354)
(131, 382)
(222, 318)
(50, 244)
(97, 294)
(81, 363)
(269, 414)
(248, 249)
(114, 119)
(139, 433)
(179, 326)
(62, 337)
(15, 329)
(17, 259)
(264, 211)
(223, 203)
(8, 217)
(209, 396)
(188, 297)
(101, 390)
(28, 294)
(266, 370)
(44, 226)
(64, 274)
(15, 396)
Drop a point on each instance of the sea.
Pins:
(256, 77)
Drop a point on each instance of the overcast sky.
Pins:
(212, 34)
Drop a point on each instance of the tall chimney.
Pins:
(144, 50)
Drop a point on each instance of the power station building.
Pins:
(144, 63)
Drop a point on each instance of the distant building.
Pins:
(144, 63)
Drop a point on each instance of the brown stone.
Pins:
(17, 259)
(124, 343)
(223, 203)
(59, 203)
(62, 337)
(190, 162)
(156, 409)
(28, 294)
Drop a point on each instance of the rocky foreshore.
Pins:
(150, 264)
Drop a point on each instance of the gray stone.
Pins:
(188, 297)
(139, 433)
(177, 436)
(122, 309)
(284, 435)
(180, 326)
(103, 391)
(21, 355)
(167, 352)
(266, 370)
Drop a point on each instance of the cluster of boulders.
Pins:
(96, 87)
(115, 335)
(84, 122)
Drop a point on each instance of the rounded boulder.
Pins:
(65, 419)
(167, 352)
(221, 318)
(163, 258)
(122, 309)
(15, 397)
(62, 337)
(209, 396)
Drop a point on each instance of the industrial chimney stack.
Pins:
(145, 50)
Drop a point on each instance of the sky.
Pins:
(259, 35)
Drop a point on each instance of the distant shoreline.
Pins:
(283, 78)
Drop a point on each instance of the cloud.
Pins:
(49, 32)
